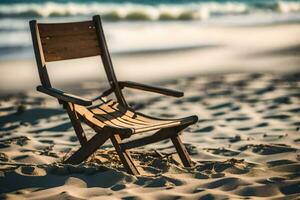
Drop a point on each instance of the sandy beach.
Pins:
(243, 82)
(246, 144)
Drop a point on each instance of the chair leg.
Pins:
(88, 148)
(124, 156)
(76, 123)
(182, 152)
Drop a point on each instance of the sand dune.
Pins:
(245, 145)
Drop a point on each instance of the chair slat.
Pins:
(67, 29)
(68, 40)
(118, 114)
(115, 120)
(105, 114)
(135, 115)
(73, 53)
(88, 115)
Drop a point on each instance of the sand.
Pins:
(245, 144)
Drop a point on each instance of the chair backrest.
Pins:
(62, 41)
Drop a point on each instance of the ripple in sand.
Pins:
(222, 151)
(205, 129)
(219, 106)
(274, 163)
(226, 184)
(268, 149)
(259, 191)
(281, 117)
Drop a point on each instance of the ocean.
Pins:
(15, 14)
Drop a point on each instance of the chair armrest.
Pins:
(64, 96)
(150, 88)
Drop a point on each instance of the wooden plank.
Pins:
(113, 117)
(99, 125)
(66, 29)
(124, 155)
(115, 112)
(106, 117)
(56, 42)
(182, 152)
(63, 41)
(117, 120)
(70, 52)
(88, 115)
(130, 113)
(111, 123)
(89, 148)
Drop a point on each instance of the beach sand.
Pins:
(244, 88)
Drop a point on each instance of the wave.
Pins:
(129, 11)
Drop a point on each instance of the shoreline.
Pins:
(216, 50)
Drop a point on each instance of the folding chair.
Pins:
(112, 119)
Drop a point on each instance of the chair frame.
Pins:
(116, 135)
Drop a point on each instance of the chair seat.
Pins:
(112, 114)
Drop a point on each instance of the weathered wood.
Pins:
(69, 40)
(182, 152)
(66, 29)
(124, 156)
(89, 147)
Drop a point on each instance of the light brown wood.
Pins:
(68, 40)
(132, 114)
(105, 114)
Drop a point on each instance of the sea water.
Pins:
(14, 15)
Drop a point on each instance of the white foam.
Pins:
(288, 7)
(126, 10)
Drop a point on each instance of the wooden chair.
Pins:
(112, 119)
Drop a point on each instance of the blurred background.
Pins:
(150, 39)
